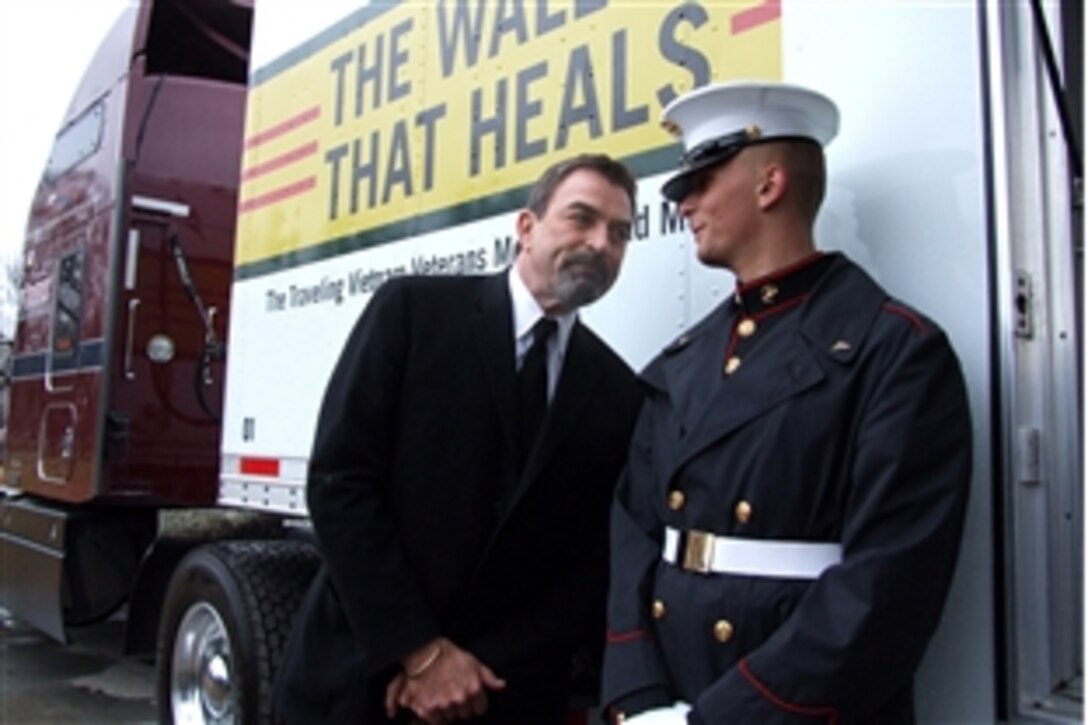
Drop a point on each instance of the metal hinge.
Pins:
(1022, 304)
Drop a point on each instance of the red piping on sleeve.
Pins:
(913, 319)
(623, 637)
(831, 714)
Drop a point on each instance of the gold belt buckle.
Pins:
(698, 551)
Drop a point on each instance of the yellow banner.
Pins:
(427, 105)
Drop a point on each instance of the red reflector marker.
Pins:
(261, 466)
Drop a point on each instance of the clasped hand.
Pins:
(452, 687)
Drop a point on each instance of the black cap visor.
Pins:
(703, 157)
(682, 184)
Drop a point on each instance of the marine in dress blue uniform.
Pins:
(785, 532)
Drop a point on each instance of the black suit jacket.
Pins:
(423, 523)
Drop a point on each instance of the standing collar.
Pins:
(785, 286)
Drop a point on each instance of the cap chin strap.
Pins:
(716, 149)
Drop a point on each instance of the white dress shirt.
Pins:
(526, 313)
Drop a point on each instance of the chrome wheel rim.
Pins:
(202, 677)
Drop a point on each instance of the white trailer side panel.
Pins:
(907, 200)
(910, 198)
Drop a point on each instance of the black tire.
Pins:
(226, 618)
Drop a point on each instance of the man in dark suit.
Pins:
(465, 552)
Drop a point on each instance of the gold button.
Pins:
(723, 630)
(731, 365)
(676, 500)
(659, 609)
(743, 512)
(747, 327)
(768, 293)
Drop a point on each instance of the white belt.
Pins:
(704, 552)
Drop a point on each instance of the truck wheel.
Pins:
(226, 618)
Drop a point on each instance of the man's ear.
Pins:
(774, 181)
(524, 226)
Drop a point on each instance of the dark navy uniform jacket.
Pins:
(813, 408)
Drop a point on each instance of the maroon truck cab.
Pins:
(117, 369)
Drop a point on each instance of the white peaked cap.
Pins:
(716, 121)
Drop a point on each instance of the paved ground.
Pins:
(87, 681)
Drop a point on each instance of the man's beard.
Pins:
(583, 277)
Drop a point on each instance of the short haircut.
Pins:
(616, 173)
(804, 162)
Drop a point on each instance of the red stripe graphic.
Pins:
(280, 161)
(276, 195)
(766, 12)
(261, 466)
(311, 114)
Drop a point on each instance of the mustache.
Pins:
(585, 258)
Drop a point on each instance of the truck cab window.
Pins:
(76, 142)
(67, 312)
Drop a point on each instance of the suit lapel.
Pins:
(493, 334)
